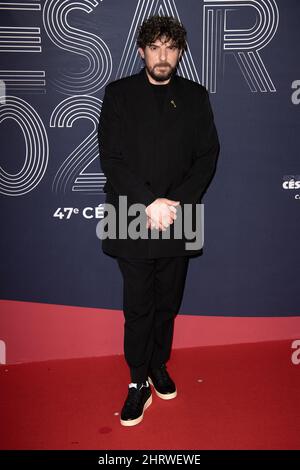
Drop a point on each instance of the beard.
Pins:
(161, 74)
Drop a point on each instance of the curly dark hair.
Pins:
(156, 27)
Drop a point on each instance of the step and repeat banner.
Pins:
(56, 58)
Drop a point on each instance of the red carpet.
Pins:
(229, 397)
(48, 326)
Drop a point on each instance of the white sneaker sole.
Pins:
(133, 422)
(167, 396)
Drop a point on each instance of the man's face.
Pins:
(161, 59)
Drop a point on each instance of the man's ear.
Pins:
(141, 52)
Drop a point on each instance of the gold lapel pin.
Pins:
(173, 103)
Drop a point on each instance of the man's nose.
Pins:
(163, 55)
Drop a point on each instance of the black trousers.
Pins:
(152, 295)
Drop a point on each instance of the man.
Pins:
(158, 148)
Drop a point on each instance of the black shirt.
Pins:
(160, 93)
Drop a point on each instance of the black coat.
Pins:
(146, 154)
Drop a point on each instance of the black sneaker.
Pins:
(138, 399)
(162, 383)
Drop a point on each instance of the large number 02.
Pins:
(71, 174)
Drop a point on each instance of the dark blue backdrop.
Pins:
(53, 75)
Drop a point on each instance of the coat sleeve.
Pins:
(118, 174)
(195, 182)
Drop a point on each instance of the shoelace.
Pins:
(134, 396)
(133, 384)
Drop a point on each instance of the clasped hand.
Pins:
(161, 213)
